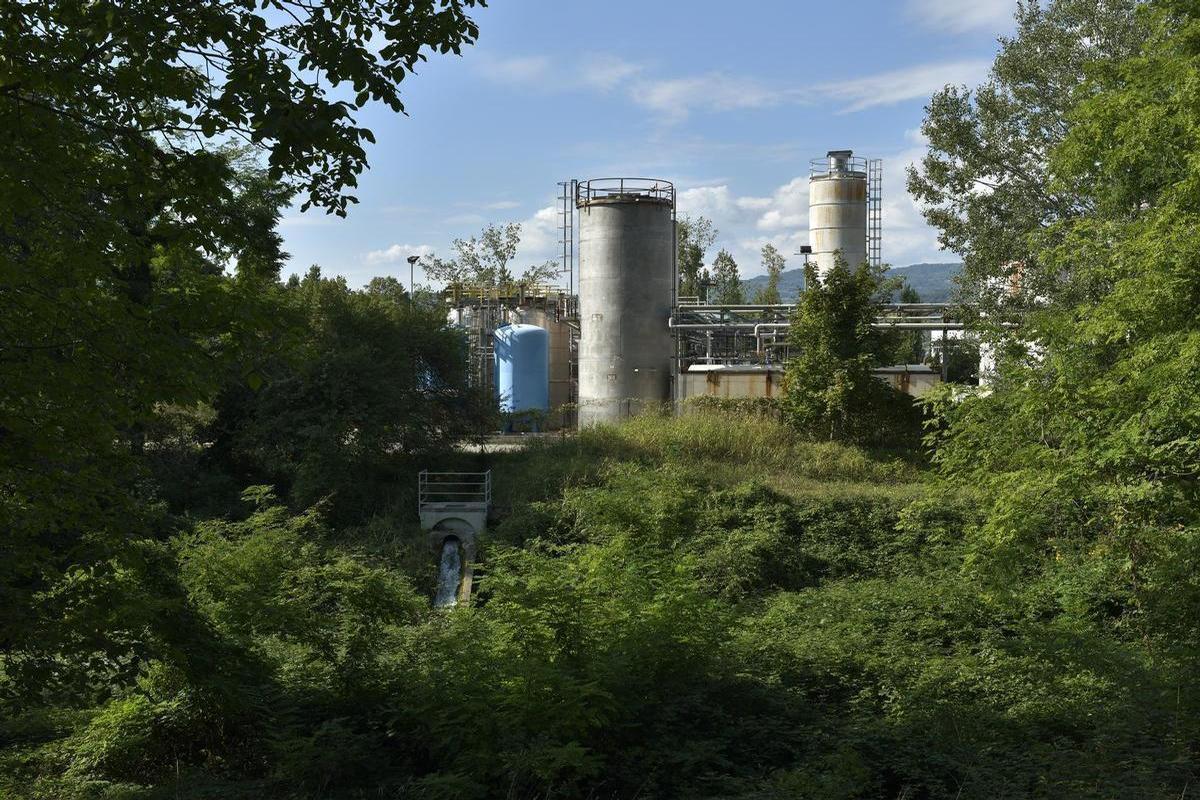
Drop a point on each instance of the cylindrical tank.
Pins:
(626, 289)
(837, 209)
(522, 362)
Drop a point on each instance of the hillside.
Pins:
(933, 281)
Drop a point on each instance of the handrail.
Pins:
(600, 188)
(837, 165)
(432, 488)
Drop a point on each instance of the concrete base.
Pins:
(461, 521)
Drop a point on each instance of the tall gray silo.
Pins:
(837, 209)
(626, 291)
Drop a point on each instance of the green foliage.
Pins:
(910, 345)
(719, 604)
(831, 393)
(694, 237)
(773, 263)
(128, 78)
(484, 260)
(644, 624)
(986, 181)
(138, 250)
(1086, 445)
(727, 280)
(367, 380)
(740, 407)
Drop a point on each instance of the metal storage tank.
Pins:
(837, 209)
(522, 364)
(626, 291)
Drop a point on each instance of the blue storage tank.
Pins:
(522, 365)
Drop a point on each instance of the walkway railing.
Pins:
(470, 489)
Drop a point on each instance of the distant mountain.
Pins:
(934, 282)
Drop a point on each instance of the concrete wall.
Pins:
(735, 382)
(731, 383)
(912, 379)
(626, 272)
(837, 218)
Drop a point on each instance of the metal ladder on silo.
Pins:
(875, 211)
(566, 231)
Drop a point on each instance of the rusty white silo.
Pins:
(837, 209)
(626, 290)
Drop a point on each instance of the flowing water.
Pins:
(449, 575)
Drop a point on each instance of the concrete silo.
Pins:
(837, 209)
(626, 291)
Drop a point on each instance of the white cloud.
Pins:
(675, 98)
(909, 83)
(519, 69)
(746, 222)
(606, 72)
(907, 239)
(502, 205)
(539, 237)
(397, 252)
(788, 208)
(960, 16)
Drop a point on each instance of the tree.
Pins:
(694, 237)
(910, 345)
(124, 206)
(369, 379)
(985, 181)
(154, 83)
(728, 280)
(485, 259)
(773, 263)
(831, 392)
(1088, 448)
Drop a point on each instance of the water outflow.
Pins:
(449, 575)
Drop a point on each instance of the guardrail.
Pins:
(472, 489)
(600, 188)
(838, 165)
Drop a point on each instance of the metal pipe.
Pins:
(921, 326)
(758, 335)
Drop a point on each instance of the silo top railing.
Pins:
(602, 188)
(836, 165)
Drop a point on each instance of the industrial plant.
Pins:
(619, 338)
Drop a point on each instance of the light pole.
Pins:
(806, 251)
(412, 263)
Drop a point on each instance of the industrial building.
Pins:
(627, 342)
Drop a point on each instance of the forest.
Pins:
(213, 583)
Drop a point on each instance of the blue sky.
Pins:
(727, 100)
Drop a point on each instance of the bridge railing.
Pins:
(472, 489)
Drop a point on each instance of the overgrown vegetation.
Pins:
(214, 585)
(667, 608)
(831, 391)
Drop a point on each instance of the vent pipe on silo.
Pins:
(626, 290)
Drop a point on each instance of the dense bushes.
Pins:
(335, 404)
(642, 626)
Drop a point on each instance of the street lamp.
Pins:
(412, 263)
(806, 251)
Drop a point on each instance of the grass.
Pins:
(716, 448)
(726, 450)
